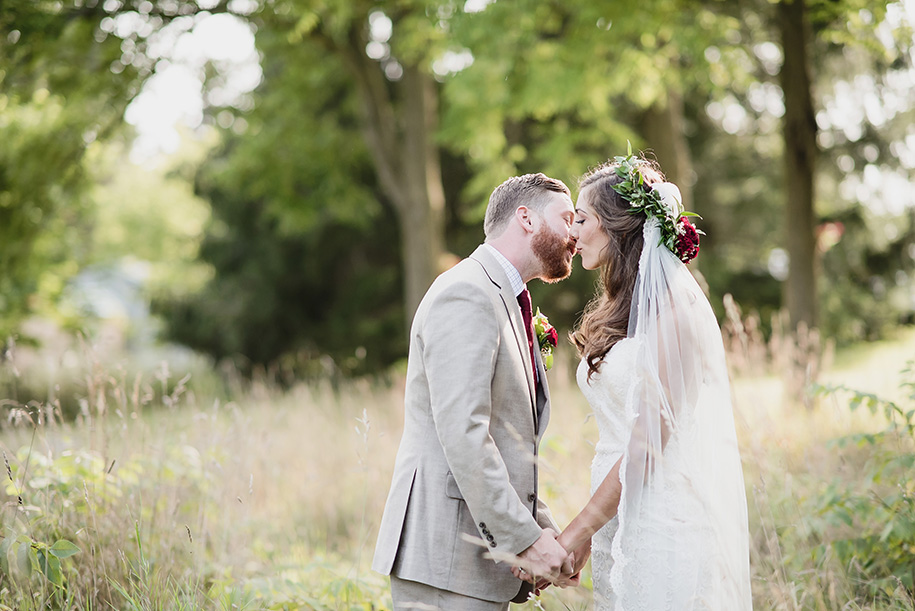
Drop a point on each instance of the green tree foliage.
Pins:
(69, 70)
(386, 49)
(389, 123)
(528, 87)
(42, 201)
(305, 253)
(149, 214)
(57, 95)
(560, 87)
(289, 298)
(734, 134)
(866, 174)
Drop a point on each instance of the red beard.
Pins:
(554, 253)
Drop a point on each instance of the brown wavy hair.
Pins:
(605, 320)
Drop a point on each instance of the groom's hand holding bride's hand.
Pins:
(571, 568)
(569, 577)
(544, 560)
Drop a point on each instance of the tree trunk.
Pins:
(400, 120)
(422, 210)
(799, 129)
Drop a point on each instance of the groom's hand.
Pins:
(544, 559)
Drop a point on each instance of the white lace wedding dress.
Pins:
(662, 399)
(673, 556)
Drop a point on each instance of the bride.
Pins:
(667, 519)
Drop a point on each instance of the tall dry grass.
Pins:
(272, 500)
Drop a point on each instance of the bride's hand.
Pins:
(579, 558)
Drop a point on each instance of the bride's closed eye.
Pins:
(581, 222)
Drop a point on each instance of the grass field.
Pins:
(271, 500)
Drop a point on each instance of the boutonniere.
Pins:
(547, 338)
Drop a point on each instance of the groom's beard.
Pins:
(555, 254)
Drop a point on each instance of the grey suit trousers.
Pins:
(415, 596)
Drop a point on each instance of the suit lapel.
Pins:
(543, 397)
(500, 280)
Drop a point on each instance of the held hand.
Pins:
(581, 557)
(545, 559)
(571, 572)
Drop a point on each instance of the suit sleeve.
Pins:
(461, 344)
(545, 516)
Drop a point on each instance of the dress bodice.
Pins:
(606, 392)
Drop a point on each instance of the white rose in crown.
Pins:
(670, 196)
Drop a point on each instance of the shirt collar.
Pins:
(514, 277)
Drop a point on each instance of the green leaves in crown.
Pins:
(644, 200)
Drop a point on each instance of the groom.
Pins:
(464, 491)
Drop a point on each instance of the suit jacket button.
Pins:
(489, 537)
(482, 524)
(532, 497)
(492, 544)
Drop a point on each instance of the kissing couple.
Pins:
(464, 527)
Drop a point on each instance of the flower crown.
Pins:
(659, 201)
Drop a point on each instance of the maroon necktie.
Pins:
(527, 314)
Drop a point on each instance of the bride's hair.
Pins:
(606, 317)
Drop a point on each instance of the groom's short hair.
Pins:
(528, 190)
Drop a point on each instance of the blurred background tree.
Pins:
(360, 166)
(69, 71)
(59, 94)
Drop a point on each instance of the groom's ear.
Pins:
(524, 216)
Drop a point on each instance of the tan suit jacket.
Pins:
(467, 463)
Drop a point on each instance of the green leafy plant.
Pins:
(869, 521)
(31, 556)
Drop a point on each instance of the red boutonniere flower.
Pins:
(547, 338)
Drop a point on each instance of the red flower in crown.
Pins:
(687, 240)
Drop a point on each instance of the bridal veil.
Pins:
(682, 541)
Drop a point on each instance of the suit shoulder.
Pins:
(467, 275)
(468, 269)
(464, 285)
